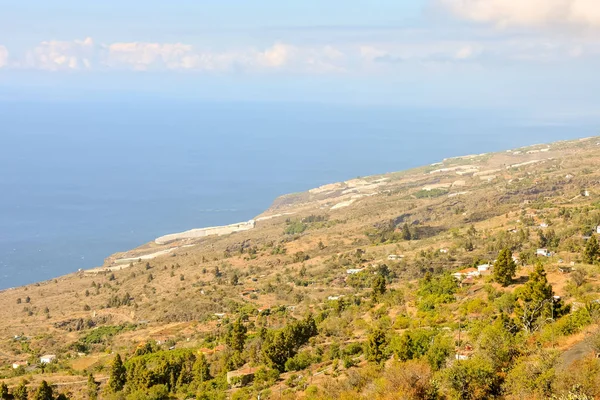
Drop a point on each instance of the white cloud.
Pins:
(464, 53)
(3, 56)
(141, 56)
(63, 55)
(528, 13)
(86, 54)
(277, 56)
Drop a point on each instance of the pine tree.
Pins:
(535, 299)
(376, 346)
(591, 251)
(20, 392)
(3, 391)
(201, 369)
(406, 235)
(44, 392)
(118, 376)
(505, 268)
(236, 336)
(92, 387)
(379, 286)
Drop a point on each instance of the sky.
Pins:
(542, 55)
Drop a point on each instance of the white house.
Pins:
(543, 252)
(465, 273)
(47, 359)
(484, 268)
(394, 257)
(445, 251)
(543, 225)
(19, 364)
(335, 297)
(353, 271)
(598, 229)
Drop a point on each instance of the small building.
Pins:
(19, 364)
(466, 273)
(543, 225)
(353, 271)
(444, 251)
(333, 298)
(598, 229)
(47, 359)
(543, 252)
(565, 270)
(394, 257)
(484, 269)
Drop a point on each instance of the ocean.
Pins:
(82, 180)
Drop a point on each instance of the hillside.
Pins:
(345, 291)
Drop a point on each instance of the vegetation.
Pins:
(355, 302)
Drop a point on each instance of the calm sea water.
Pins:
(79, 181)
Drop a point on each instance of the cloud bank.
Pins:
(143, 56)
(582, 14)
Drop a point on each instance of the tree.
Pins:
(92, 387)
(505, 268)
(473, 379)
(379, 286)
(118, 375)
(236, 336)
(376, 346)
(3, 391)
(280, 345)
(469, 245)
(20, 392)
(591, 251)
(406, 235)
(44, 392)
(201, 369)
(234, 279)
(535, 299)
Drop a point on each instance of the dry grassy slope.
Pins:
(483, 190)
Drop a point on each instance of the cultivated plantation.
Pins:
(477, 277)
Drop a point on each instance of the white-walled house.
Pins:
(484, 268)
(353, 271)
(47, 359)
(465, 273)
(543, 252)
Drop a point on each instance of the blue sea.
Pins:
(82, 180)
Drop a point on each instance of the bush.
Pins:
(299, 362)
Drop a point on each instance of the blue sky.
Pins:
(541, 54)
